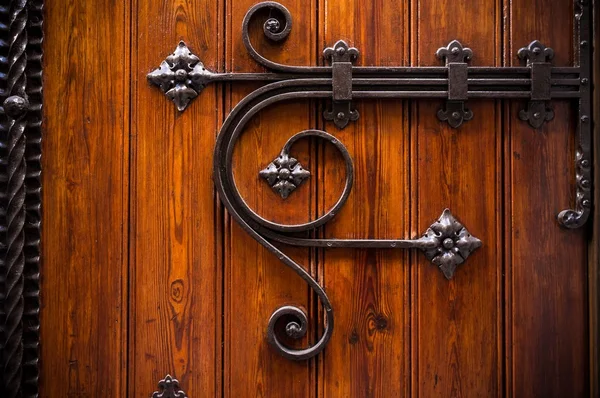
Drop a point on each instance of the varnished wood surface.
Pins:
(546, 281)
(85, 200)
(456, 337)
(369, 353)
(144, 274)
(256, 282)
(175, 290)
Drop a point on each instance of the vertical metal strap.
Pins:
(341, 57)
(456, 56)
(538, 110)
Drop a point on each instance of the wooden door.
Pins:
(147, 270)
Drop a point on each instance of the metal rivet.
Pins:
(585, 183)
(341, 51)
(455, 115)
(272, 25)
(181, 74)
(537, 115)
(293, 330)
(585, 118)
(585, 163)
(584, 81)
(448, 243)
(455, 50)
(16, 106)
(583, 43)
(284, 174)
(586, 203)
(537, 50)
(340, 115)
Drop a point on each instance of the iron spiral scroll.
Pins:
(446, 243)
(316, 84)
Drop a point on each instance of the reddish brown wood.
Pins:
(175, 322)
(256, 282)
(546, 306)
(594, 246)
(369, 352)
(456, 338)
(145, 275)
(85, 174)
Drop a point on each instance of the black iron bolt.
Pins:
(16, 106)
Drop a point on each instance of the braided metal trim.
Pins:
(20, 194)
(33, 201)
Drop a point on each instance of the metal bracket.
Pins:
(537, 56)
(341, 57)
(446, 243)
(455, 56)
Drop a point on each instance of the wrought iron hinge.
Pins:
(446, 243)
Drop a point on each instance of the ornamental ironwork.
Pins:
(169, 388)
(284, 174)
(446, 243)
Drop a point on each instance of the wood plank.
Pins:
(456, 335)
(594, 246)
(256, 282)
(176, 292)
(546, 290)
(85, 196)
(368, 355)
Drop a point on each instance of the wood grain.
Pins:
(175, 240)
(145, 275)
(594, 246)
(456, 324)
(84, 226)
(368, 355)
(256, 282)
(546, 307)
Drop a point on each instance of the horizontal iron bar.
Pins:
(499, 87)
(351, 243)
(436, 72)
(444, 94)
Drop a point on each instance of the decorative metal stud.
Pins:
(454, 52)
(455, 113)
(536, 114)
(284, 174)
(169, 388)
(448, 243)
(536, 52)
(181, 76)
(340, 52)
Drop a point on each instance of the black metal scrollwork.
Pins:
(576, 218)
(446, 243)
